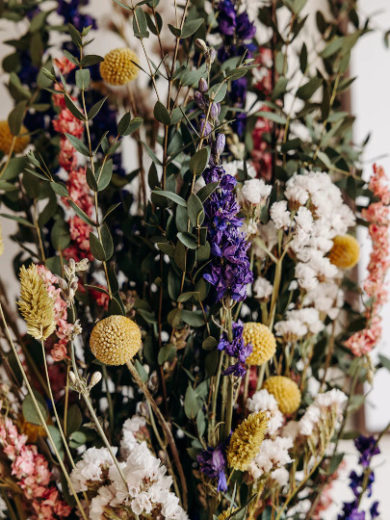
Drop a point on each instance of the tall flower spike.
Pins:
(246, 440)
(115, 340)
(119, 66)
(35, 304)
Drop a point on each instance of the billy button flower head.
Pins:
(246, 440)
(285, 391)
(35, 304)
(119, 66)
(6, 138)
(262, 341)
(115, 340)
(345, 252)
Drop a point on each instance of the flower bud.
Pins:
(201, 44)
(95, 379)
(203, 86)
(212, 55)
(82, 265)
(215, 110)
(72, 378)
(220, 144)
(199, 99)
(205, 128)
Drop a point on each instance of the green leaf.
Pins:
(198, 161)
(190, 27)
(218, 92)
(127, 126)
(15, 166)
(90, 59)
(104, 175)
(15, 118)
(195, 210)
(191, 403)
(59, 188)
(210, 343)
(111, 209)
(153, 177)
(73, 108)
(276, 118)
(78, 144)
(385, 361)
(161, 114)
(174, 197)
(30, 413)
(140, 24)
(166, 353)
(60, 237)
(75, 35)
(307, 90)
(107, 241)
(280, 88)
(187, 239)
(81, 213)
(96, 247)
(57, 440)
(205, 192)
(192, 318)
(334, 46)
(21, 220)
(38, 21)
(91, 180)
(95, 109)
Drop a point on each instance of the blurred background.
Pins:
(370, 105)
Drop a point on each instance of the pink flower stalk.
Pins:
(377, 215)
(31, 470)
(64, 328)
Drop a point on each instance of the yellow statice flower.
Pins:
(119, 66)
(35, 304)
(246, 440)
(285, 391)
(115, 340)
(262, 341)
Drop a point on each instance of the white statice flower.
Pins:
(148, 486)
(273, 454)
(328, 404)
(255, 191)
(262, 400)
(249, 227)
(262, 288)
(280, 215)
(90, 468)
(309, 317)
(291, 330)
(327, 298)
(268, 234)
(281, 476)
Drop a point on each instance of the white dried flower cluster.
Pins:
(272, 458)
(328, 403)
(146, 478)
(3, 508)
(262, 288)
(262, 400)
(255, 191)
(314, 213)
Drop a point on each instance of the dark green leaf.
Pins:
(60, 237)
(107, 242)
(161, 113)
(190, 27)
(205, 192)
(104, 175)
(308, 89)
(78, 144)
(171, 196)
(60, 189)
(95, 109)
(96, 247)
(191, 403)
(81, 213)
(15, 118)
(195, 210)
(187, 239)
(140, 25)
(198, 161)
(29, 410)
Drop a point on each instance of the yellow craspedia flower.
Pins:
(6, 139)
(246, 440)
(115, 340)
(285, 391)
(262, 341)
(33, 431)
(345, 252)
(1, 241)
(35, 304)
(227, 513)
(118, 66)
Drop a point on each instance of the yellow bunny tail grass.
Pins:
(35, 304)
(118, 66)
(285, 391)
(246, 440)
(115, 340)
(345, 252)
(262, 341)
(6, 138)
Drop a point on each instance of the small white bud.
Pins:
(95, 379)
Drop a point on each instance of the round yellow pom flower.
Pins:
(262, 340)
(35, 304)
(345, 252)
(285, 391)
(118, 66)
(246, 440)
(6, 138)
(115, 340)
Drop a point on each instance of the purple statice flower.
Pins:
(236, 349)
(367, 447)
(229, 271)
(212, 462)
(374, 510)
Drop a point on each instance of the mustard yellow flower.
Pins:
(246, 440)
(285, 391)
(6, 138)
(262, 341)
(119, 66)
(345, 252)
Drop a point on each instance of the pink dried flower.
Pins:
(64, 65)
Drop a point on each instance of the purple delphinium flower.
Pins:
(229, 271)
(227, 18)
(367, 447)
(212, 462)
(236, 349)
(70, 12)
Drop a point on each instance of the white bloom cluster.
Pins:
(315, 213)
(255, 191)
(148, 484)
(262, 288)
(272, 457)
(332, 401)
(266, 402)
